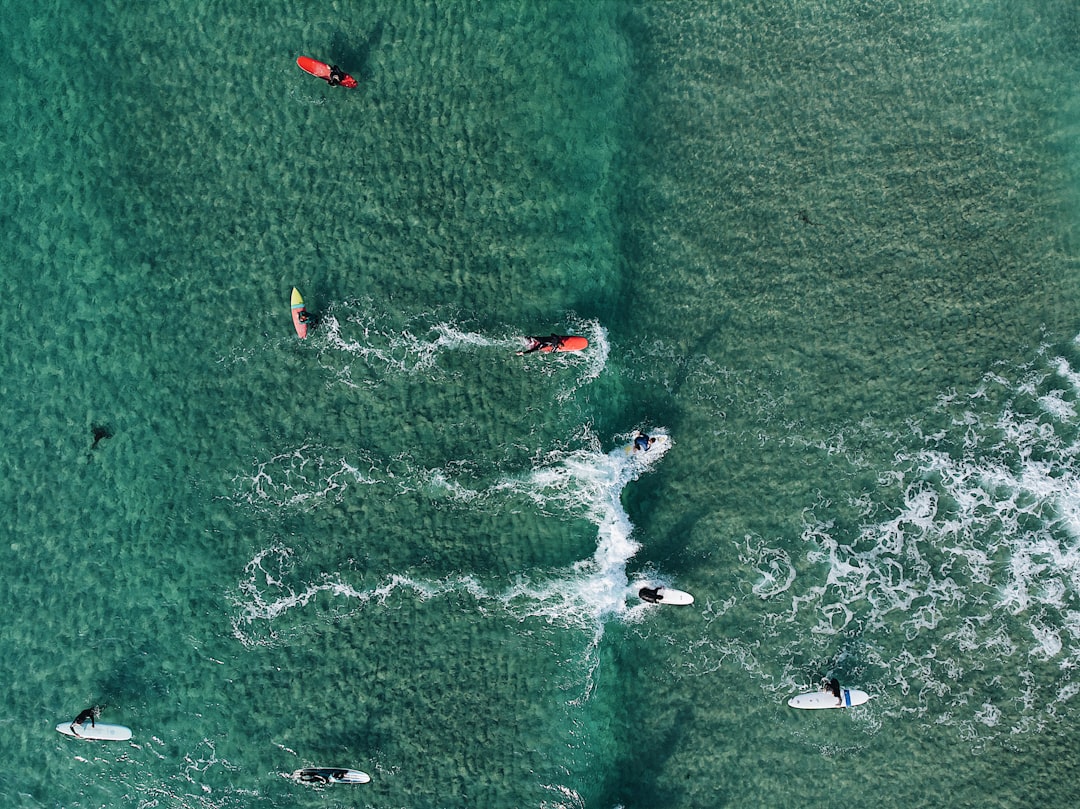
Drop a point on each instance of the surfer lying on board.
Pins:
(336, 77)
(89, 713)
(554, 342)
(317, 776)
(651, 594)
(833, 687)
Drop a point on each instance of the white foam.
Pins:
(592, 361)
(773, 565)
(978, 564)
(567, 798)
(303, 478)
(386, 345)
(584, 482)
(266, 595)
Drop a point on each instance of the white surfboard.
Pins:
(330, 775)
(99, 732)
(817, 700)
(668, 595)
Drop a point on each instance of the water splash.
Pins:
(968, 557)
(304, 478)
(583, 483)
(360, 344)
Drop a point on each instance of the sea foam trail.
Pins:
(590, 482)
(304, 478)
(360, 344)
(958, 595)
(584, 483)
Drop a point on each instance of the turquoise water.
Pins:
(830, 249)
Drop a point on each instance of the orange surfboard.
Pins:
(567, 342)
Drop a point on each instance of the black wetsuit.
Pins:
(834, 688)
(81, 719)
(553, 342)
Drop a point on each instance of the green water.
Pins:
(830, 248)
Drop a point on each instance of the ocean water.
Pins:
(828, 249)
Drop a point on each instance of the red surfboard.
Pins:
(321, 70)
(567, 342)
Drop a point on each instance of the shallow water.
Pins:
(829, 249)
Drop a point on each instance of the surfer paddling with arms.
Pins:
(303, 320)
(554, 343)
(652, 595)
(80, 720)
(659, 594)
(336, 77)
(331, 74)
(323, 775)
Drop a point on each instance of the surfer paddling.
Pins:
(659, 594)
(336, 77)
(653, 595)
(331, 74)
(553, 343)
(323, 775)
(80, 720)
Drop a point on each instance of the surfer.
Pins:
(308, 319)
(650, 594)
(89, 713)
(554, 342)
(336, 77)
(100, 432)
(833, 687)
(643, 441)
